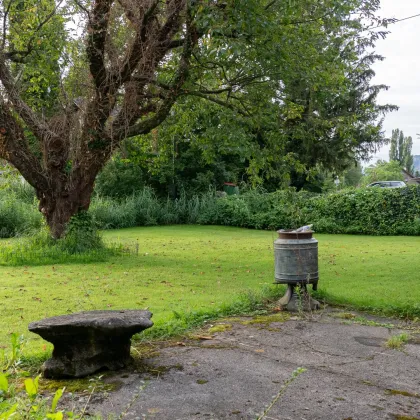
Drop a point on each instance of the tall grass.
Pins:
(17, 217)
(146, 209)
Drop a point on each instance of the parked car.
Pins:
(388, 184)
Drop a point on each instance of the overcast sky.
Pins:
(400, 70)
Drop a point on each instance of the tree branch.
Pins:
(174, 89)
(83, 8)
(171, 25)
(11, 55)
(6, 13)
(135, 53)
(97, 30)
(14, 148)
(216, 101)
(176, 43)
(34, 122)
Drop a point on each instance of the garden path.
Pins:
(350, 372)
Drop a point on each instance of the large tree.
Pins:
(122, 65)
(318, 113)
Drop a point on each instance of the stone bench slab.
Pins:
(86, 342)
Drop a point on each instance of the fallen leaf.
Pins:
(153, 410)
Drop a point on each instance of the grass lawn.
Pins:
(191, 268)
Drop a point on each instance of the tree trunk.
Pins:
(58, 208)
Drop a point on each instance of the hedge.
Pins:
(370, 211)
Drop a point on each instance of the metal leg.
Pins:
(298, 299)
(288, 295)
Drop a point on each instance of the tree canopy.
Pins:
(383, 171)
(317, 110)
(78, 77)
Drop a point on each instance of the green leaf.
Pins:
(58, 394)
(55, 416)
(31, 387)
(9, 414)
(4, 384)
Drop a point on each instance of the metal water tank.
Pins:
(296, 258)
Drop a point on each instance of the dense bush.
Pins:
(370, 211)
(17, 215)
(119, 178)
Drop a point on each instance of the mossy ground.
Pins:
(79, 386)
(219, 328)
(268, 319)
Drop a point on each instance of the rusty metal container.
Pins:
(296, 258)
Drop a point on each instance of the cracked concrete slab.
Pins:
(350, 374)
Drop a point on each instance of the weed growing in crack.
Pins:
(397, 342)
(281, 391)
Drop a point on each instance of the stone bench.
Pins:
(86, 342)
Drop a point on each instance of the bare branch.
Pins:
(176, 43)
(6, 13)
(135, 52)
(171, 25)
(174, 89)
(216, 101)
(215, 91)
(97, 30)
(83, 8)
(14, 148)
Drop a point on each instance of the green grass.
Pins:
(378, 274)
(397, 342)
(184, 269)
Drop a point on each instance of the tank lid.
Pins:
(289, 234)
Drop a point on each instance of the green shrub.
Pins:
(16, 216)
(82, 243)
(81, 236)
(119, 178)
(369, 211)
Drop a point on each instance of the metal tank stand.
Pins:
(296, 264)
(298, 299)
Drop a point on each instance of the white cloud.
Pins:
(400, 70)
